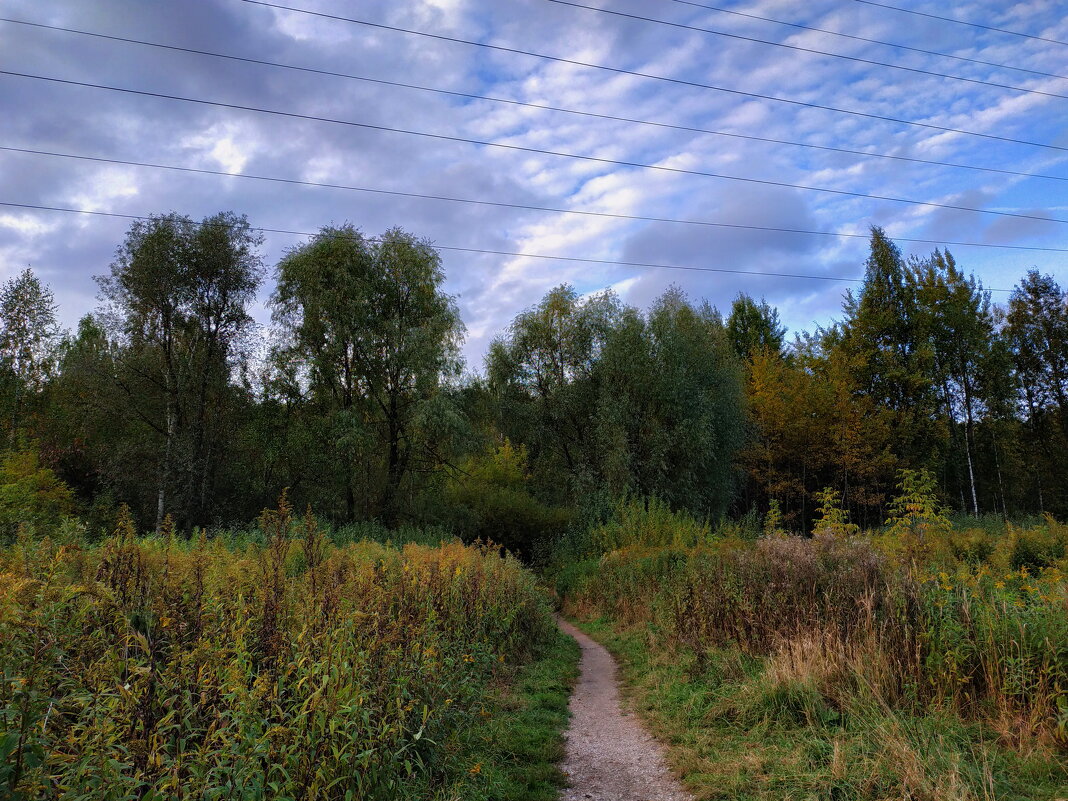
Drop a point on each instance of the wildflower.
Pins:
(477, 769)
(1000, 585)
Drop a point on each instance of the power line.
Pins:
(543, 107)
(962, 22)
(865, 39)
(484, 251)
(524, 149)
(540, 106)
(651, 76)
(800, 49)
(507, 205)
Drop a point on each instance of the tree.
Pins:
(1036, 331)
(892, 359)
(811, 431)
(541, 372)
(28, 337)
(754, 326)
(956, 319)
(373, 342)
(611, 402)
(176, 302)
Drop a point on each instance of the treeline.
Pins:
(169, 398)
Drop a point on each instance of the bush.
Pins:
(649, 523)
(30, 495)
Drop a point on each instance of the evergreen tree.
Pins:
(754, 326)
(892, 359)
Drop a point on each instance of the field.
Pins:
(275, 665)
(841, 666)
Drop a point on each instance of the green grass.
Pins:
(524, 738)
(733, 734)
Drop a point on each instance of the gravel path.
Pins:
(610, 757)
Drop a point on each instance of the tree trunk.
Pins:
(165, 469)
(393, 465)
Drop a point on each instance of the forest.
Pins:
(170, 399)
(322, 558)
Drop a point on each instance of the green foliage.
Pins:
(649, 523)
(30, 494)
(489, 499)
(915, 513)
(161, 668)
(773, 522)
(28, 339)
(176, 311)
(370, 341)
(754, 327)
(608, 400)
(833, 519)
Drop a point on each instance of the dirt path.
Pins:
(610, 757)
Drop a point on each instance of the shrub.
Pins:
(30, 495)
(649, 523)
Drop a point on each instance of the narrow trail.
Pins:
(610, 757)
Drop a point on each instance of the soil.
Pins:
(610, 757)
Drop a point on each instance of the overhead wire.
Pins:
(539, 106)
(485, 251)
(539, 151)
(800, 49)
(962, 22)
(505, 204)
(663, 78)
(866, 40)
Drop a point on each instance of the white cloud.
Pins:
(493, 288)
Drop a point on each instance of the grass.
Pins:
(914, 662)
(525, 740)
(733, 732)
(290, 668)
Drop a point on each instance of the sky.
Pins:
(681, 156)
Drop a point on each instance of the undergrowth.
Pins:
(151, 668)
(893, 664)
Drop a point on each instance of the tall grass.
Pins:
(286, 668)
(856, 627)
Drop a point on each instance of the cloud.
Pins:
(69, 249)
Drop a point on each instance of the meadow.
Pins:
(276, 664)
(920, 661)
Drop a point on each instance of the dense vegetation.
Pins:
(169, 398)
(762, 528)
(919, 662)
(267, 664)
